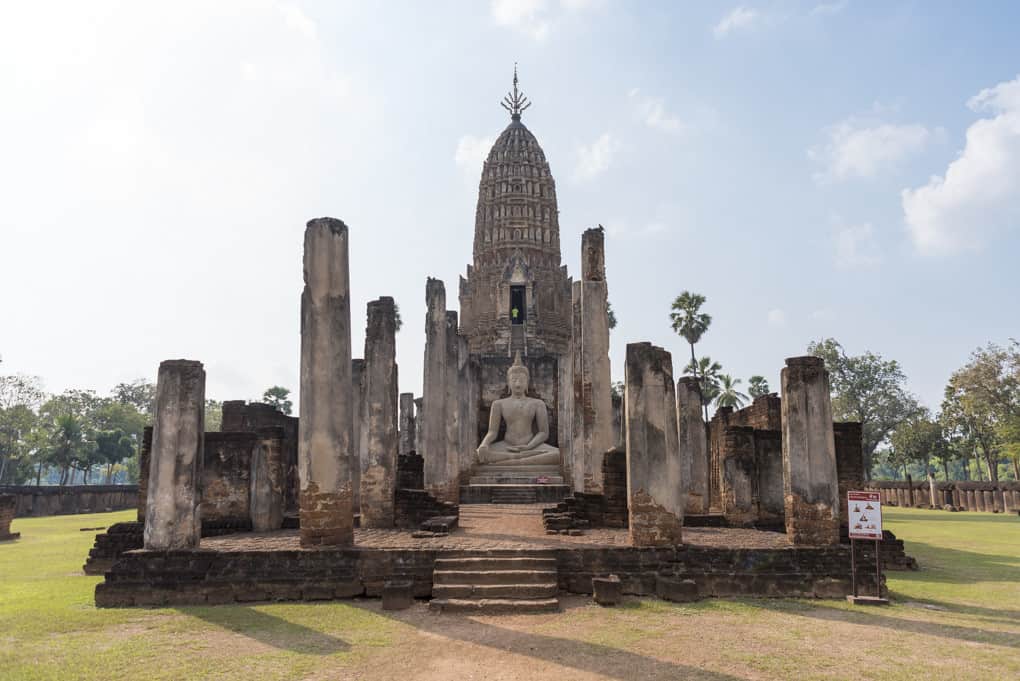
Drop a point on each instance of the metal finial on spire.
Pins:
(515, 102)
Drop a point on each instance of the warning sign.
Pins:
(865, 515)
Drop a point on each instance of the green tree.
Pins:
(139, 393)
(113, 447)
(919, 440)
(278, 396)
(707, 372)
(398, 321)
(728, 395)
(868, 389)
(213, 416)
(982, 399)
(20, 395)
(757, 386)
(610, 315)
(691, 323)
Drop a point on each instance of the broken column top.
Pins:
(379, 311)
(689, 382)
(806, 361)
(593, 255)
(659, 359)
(180, 364)
(333, 224)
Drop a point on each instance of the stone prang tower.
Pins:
(516, 296)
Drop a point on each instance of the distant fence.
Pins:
(55, 500)
(990, 497)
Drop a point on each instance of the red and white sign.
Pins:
(865, 514)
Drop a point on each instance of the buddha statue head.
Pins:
(517, 377)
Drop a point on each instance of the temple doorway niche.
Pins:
(518, 298)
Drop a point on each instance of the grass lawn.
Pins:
(957, 618)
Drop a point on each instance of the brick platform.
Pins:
(273, 566)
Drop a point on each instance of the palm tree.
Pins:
(708, 381)
(692, 324)
(757, 386)
(728, 395)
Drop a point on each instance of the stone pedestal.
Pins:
(8, 506)
(268, 481)
(693, 443)
(656, 488)
(438, 480)
(172, 518)
(809, 454)
(326, 455)
(379, 455)
(407, 424)
(607, 590)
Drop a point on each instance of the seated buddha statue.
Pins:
(527, 426)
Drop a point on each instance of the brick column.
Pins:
(656, 489)
(809, 454)
(437, 472)
(379, 456)
(326, 454)
(408, 426)
(172, 518)
(693, 443)
(144, 453)
(738, 475)
(359, 431)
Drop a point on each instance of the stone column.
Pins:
(379, 455)
(656, 490)
(359, 432)
(596, 405)
(419, 426)
(576, 391)
(693, 442)
(809, 454)
(268, 480)
(434, 450)
(408, 429)
(144, 454)
(738, 475)
(172, 518)
(326, 453)
(454, 408)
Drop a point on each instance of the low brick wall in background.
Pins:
(42, 500)
(960, 495)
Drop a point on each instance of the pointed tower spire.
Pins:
(515, 102)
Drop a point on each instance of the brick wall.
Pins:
(8, 504)
(53, 500)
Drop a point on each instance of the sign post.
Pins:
(864, 518)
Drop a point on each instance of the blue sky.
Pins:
(843, 169)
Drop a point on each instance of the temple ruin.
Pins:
(515, 475)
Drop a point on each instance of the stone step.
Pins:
(488, 591)
(495, 606)
(489, 563)
(493, 576)
(514, 479)
(514, 495)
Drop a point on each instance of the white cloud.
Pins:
(777, 318)
(980, 191)
(296, 19)
(856, 148)
(595, 158)
(856, 247)
(534, 18)
(471, 153)
(829, 8)
(739, 19)
(652, 112)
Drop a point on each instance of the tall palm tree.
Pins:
(728, 395)
(708, 381)
(690, 323)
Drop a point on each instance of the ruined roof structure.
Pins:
(516, 246)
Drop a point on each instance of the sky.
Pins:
(816, 169)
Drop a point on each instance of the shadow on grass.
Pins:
(593, 658)
(269, 629)
(957, 566)
(872, 618)
(991, 614)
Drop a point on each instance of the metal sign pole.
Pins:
(878, 570)
(853, 566)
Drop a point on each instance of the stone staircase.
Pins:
(518, 583)
(513, 494)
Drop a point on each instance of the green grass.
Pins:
(956, 618)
